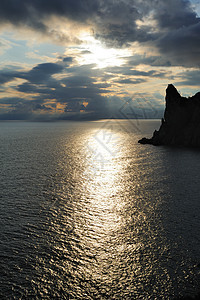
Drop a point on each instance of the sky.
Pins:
(92, 59)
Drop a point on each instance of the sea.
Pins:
(88, 213)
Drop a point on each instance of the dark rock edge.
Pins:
(181, 123)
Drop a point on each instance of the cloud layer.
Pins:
(161, 36)
(165, 24)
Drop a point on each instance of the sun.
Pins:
(93, 52)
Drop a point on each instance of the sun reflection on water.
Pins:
(102, 177)
(116, 237)
(114, 219)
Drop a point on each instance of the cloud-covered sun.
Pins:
(94, 52)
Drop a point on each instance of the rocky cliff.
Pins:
(181, 122)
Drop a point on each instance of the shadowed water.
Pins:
(88, 213)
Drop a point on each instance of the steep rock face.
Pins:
(181, 123)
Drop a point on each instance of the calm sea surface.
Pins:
(88, 213)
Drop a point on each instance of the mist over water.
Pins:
(88, 213)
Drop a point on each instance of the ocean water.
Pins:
(88, 213)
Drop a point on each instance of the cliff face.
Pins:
(181, 123)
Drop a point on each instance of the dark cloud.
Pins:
(146, 59)
(171, 26)
(77, 85)
(112, 21)
(32, 13)
(42, 72)
(14, 115)
(175, 33)
(42, 107)
(182, 46)
(175, 14)
(39, 81)
(152, 73)
(10, 100)
(77, 81)
(67, 59)
(128, 71)
(130, 81)
(30, 88)
(22, 109)
(191, 78)
(29, 107)
(7, 76)
(116, 23)
(177, 37)
(21, 12)
(75, 106)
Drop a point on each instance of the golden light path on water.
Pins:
(110, 215)
(103, 171)
(101, 214)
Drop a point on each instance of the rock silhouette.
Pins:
(181, 123)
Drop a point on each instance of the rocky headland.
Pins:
(181, 123)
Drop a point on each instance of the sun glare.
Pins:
(93, 52)
(103, 171)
